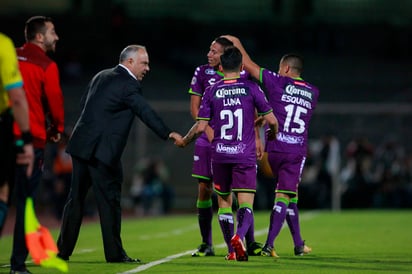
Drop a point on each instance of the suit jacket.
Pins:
(112, 101)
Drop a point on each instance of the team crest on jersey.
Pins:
(210, 71)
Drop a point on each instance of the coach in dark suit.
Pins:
(113, 99)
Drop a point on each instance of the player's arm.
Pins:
(195, 102)
(273, 125)
(259, 144)
(195, 105)
(195, 131)
(249, 64)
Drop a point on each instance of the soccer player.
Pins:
(205, 76)
(229, 105)
(13, 107)
(293, 101)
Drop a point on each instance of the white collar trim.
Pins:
(128, 70)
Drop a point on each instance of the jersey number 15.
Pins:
(294, 114)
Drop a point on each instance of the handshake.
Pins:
(197, 129)
(177, 138)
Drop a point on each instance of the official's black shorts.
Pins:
(7, 149)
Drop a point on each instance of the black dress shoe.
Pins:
(125, 259)
(24, 271)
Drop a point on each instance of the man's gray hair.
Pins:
(129, 51)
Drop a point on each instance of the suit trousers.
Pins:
(106, 183)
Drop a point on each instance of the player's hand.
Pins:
(210, 134)
(259, 149)
(260, 121)
(26, 157)
(270, 134)
(230, 37)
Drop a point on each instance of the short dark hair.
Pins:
(224, 42)
(231, 59)
(294, 60)
(34, 25)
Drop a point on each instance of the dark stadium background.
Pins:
(357, 52)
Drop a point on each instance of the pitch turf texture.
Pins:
(343, 242)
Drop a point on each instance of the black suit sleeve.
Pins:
(145, 112)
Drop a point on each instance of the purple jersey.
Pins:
(204, 77)
(293, 102)
(230, 106)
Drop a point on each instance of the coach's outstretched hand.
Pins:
(177, 138)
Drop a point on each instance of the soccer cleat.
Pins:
(204, 250)
(231, 256)
(301, 250)
(268, 251)
(237, 244)
(254, 249)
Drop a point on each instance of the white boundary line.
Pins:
(222, 245)
(154, 263)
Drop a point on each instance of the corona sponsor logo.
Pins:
(292, 90)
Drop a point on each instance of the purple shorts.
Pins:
(202, 168)
(234, 177)
(287, 169)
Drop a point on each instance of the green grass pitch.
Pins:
(357, 241)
